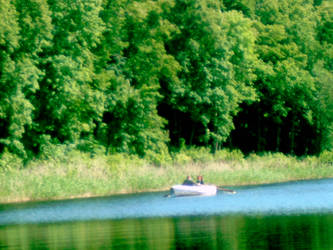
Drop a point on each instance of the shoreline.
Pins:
(88, 195)
(83, 176)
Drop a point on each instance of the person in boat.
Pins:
(189, 181)
(200, 180)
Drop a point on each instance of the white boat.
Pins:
(185, 190)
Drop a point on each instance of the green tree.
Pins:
(216, 52)
(69, 102)
(323, 74)
(247, 7)
(286, 117)
(9, 42)
(26, 33)
(133, 63)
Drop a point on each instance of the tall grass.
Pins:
(77, 174)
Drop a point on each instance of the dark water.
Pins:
(297, 215)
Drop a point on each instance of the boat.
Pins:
(187, 190)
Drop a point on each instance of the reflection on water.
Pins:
(297, 215)
(200, 232)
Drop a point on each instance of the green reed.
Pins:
(78, 174)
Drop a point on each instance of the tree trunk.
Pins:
(278, 134)
(192, 135)
(292, 135)
(259, 131)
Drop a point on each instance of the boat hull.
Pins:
(186, 190)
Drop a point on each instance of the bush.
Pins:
(122, 161)
(181, 158)
(51, 150)
(158, 159)
(10, 161)
(199, 155)
(326, 157)
(91, 146)
(273, 160)
(227, 155)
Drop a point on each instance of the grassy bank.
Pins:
(78, 174)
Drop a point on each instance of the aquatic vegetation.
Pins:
(79, 174)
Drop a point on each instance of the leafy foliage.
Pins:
(289, 109)
(216, 54)
(144, 76)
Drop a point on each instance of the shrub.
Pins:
(91, 146)
(227, 155)
(122, 161)
(326, 157)
(199, 155)
(181, 158)
(161, 158)
(10, 161)
(55, 152)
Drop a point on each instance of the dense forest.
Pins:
(149, 76)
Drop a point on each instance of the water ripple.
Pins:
(287, 198)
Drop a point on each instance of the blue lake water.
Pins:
(289, 214)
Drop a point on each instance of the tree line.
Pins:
(144, 76)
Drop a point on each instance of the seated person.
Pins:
(200, 180)
(189, 181)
